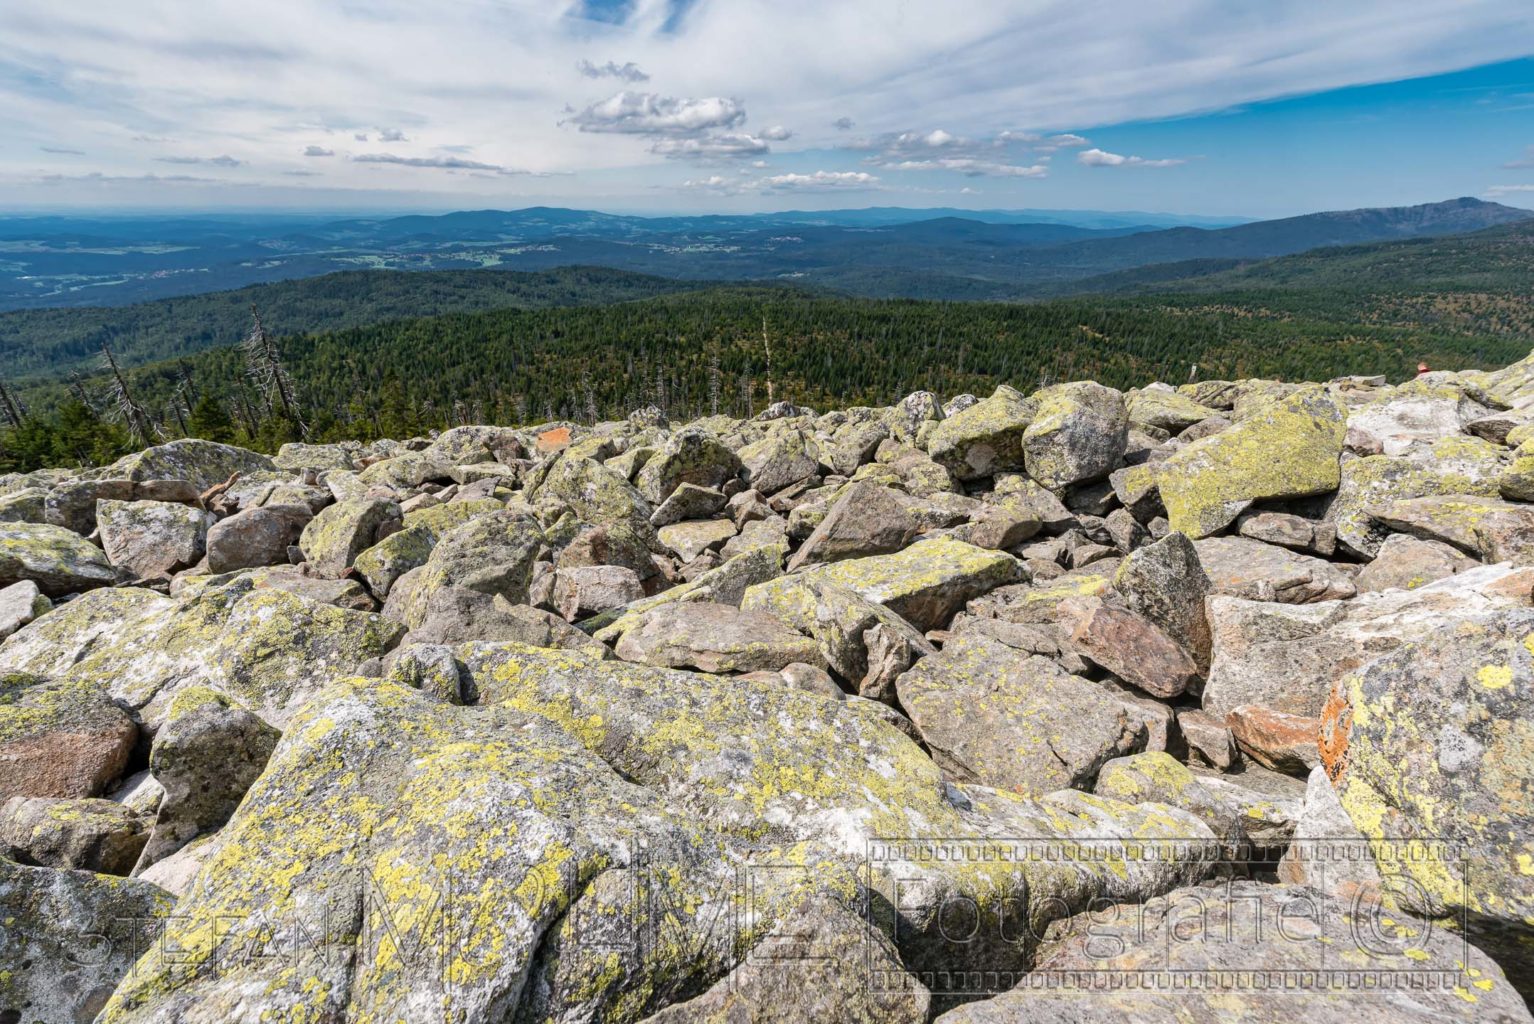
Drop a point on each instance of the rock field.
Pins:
(1212, 702)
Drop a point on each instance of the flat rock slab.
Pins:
(59, 561)
(993, 715)
(1243, 567)
(926, 582)
(715, 638)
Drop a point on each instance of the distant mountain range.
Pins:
(880, 252)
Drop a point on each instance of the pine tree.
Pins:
(210, 420)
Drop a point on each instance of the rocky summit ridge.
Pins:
(941, 711)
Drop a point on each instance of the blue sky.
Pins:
(1187, 106)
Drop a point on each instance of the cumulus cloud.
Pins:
(628, 72)
(648, 113)
(724, 146)
(318, 151)
(391, 135)
(777, 133)
(1102, 158)
(216, 161)
(844, 124)
(1007, 154)
(445, 163)
(361, 136)
(1067, 139)
(819, 181)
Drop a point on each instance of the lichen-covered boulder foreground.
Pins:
(1181, 703)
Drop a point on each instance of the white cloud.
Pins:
(974, 168)
(318, 151)
(446, 163)
(819, 181)
(648, 113)
(216, 161)
(93, 74)
(1007, 154)
(777, 133)
(627, 72)
(1502, 191)
(725, 146)
(1067, 139)
(1102, 158)
(391, 135)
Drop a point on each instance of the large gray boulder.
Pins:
(59, 561)
(70, 938)
(152, 539)
(256, 537)
(992, 715)
(688, 457)
(714, 638)
(334, 538)
(1242, 567)
(986, 438)
(1078, 433)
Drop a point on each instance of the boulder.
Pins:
(1077, 434)
(1455, 465)
(1488, 528)
(255, 537)
(295, 457)
(690, 456)
(926, 582)
(85, 834)
(1290, 531)
(1164, 409)
(688, 501)
(1128, 645)
(20, 603)
(332, 540)
(714, 638)
(783, 457)
(1158, 778)
(276, 650)
(1327, 852)
(1286, 657)
(202, 463)
(454, 615)
(70, 938)
(1242, 567)
(27, 505)
(72, 503)
(1210, 738)
(60, 738)
(986, 438)
(1408, 417)
(587, 590)
(992, 715)
(204, 757)
(865, 643)
(59, 561)
(1175, 945)
(1428, 748)
(492, 553)
(1288, 448)
(1405, 562)
(152, 539)
(1166, 583)
(866, 520)
(690, 539)
(1275, 739)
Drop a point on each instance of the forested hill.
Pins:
(694, 352)
(52, 342)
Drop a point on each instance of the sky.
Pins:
(1212, 107)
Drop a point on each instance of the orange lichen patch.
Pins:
(553, 440)
(1336, 727)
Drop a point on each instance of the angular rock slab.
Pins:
(152, 539)
(1489, 528)
(991, 715)
(714, 638)
(1432, 744)
(54, 974)
(1172, 942)
(59, 561)
(1288, 448)
(926, 582)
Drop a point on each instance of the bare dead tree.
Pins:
(11, 406)
(141, 428)
(715, 384)
(589, 396)
(269, 375)
(767, 344)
